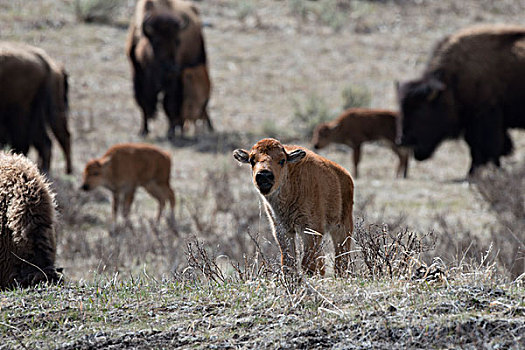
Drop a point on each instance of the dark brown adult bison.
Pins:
(27, 233)
(33, 95)
(164, 38)
(474, 85)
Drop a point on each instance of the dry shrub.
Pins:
(382, 253)
(504, 191)
(97, 11)
(227, 224)
(310, 113)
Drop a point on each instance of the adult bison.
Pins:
(474, 84)
(27, 232)
(33, 95)
(303, 193)
(164, 38)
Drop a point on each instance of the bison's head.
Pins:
(269, 161)
(427, 115)
(94, 174)
(322, 136)
(162, 28)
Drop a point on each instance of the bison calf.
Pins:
(124, 167)
(356, 126)
(27, 214)
(197, 88)
(303, 193)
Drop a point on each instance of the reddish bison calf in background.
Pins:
(303, 192)
(123, 168)
(27, 233)
(33, 94)
(356, 126)
(197, 88)
(165, 37)
(473, 85)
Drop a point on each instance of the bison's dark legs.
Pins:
(43, 146)
(172, 104)
(61, 132)
(486, 138)
(41, 141)
(146, 97)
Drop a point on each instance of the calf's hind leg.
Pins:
(162, 193)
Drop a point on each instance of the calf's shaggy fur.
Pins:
(303, 193)
(27, 220)
(356, 126)
(124, 167)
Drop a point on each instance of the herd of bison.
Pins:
(473, 86)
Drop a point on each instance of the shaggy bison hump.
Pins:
(27, 219)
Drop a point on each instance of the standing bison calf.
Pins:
(124, 167)
(302, 193)
(356, 126)
(27, 214)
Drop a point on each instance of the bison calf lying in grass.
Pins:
(27, 214)
(356, 126)
(124, 167)
(303, 193)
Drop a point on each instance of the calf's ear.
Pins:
(241, 156)
(295, 156)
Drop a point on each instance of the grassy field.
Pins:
(214, 283)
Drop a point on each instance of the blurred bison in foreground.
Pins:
(164, 38)
(303, 193)
(123, 168)
(27, 234)
(474, 85)
(33, 95)
(356, 126)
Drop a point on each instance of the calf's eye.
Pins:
(281, 162)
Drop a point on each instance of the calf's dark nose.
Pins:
(84, 187)
(264, 177)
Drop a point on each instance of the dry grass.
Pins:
(217, 281)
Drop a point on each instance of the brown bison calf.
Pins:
(124, 167)
(27, 214)
(303, 193)
(356, 126)
(197, 88)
